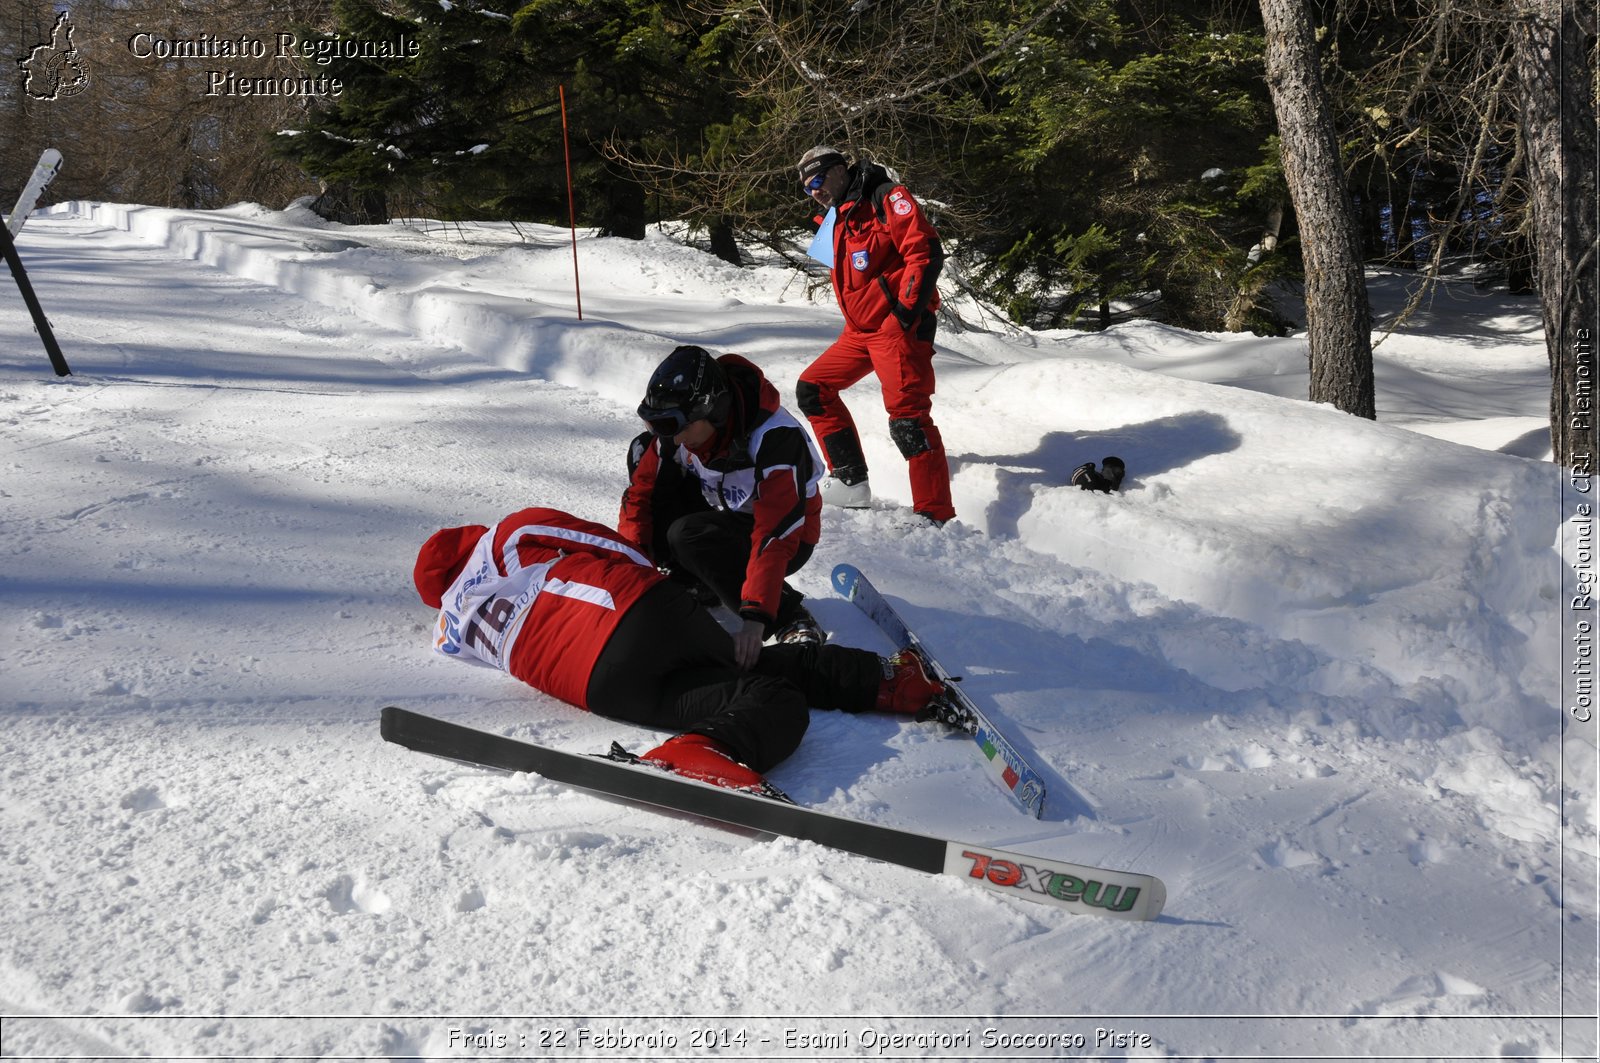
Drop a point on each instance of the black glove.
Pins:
(1088, 479)
(903, 314)
(1107, 479)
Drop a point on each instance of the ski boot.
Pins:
(906, 688)
(698, 757)
(847, 489)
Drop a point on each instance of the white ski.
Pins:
(45, 172)
(954, 709)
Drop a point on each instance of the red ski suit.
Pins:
(571, 608)
(538, 595)
(886, 262)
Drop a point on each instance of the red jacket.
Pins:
(761, 463)
(538, 595)
(886, 254)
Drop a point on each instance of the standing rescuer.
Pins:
(886, 262)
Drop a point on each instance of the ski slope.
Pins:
(1305, 668)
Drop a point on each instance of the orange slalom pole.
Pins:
(572, 210)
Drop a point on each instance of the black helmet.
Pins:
(689, 386)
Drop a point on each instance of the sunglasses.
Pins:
(815, 183)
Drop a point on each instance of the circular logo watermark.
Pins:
(54, 68)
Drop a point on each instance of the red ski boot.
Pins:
(699, 757)
(906, 688)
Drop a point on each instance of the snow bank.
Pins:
(1305, 668)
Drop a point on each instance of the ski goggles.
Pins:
(665, 423)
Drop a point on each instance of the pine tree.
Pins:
(641, 83)
(1116, 159)
(436, 127)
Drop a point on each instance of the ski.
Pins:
(1007, 765)
(43, 173)
(1074, 887)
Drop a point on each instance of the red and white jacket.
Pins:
(762, 462)
(886, 253)
(537, 596)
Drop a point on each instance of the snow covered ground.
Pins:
(1306, 668)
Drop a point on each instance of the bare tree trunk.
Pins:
(1557, 122)
(1338, 316)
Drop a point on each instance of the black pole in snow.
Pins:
(8, 247)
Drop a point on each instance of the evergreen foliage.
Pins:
(1085, 159)
(441, 129)
(472, 127)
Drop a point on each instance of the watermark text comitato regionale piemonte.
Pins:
(279, 47)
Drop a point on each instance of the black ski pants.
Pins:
(669, 664)
(713, 546)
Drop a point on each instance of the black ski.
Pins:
(1076, 887)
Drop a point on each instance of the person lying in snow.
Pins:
(572, 608)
